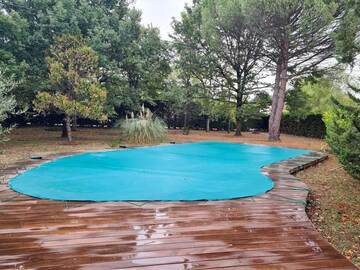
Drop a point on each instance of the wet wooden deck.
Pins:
(271, 231)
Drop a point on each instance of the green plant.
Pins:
(144, 129)
(7, 104)
(73, 71)
(343, 136)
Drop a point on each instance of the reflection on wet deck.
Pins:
(267, 232)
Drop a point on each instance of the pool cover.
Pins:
(186, 172)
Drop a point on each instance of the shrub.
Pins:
(343, 136)
(144, 129)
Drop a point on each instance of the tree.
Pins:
(7, 104)
(346, 36)
(73, 71)
(298, 38)
(133, 59)
(343, 131)
(43, 20)
(313, 95)
(343, 122)
(219, 34)
(208, 109)
(13, 35)
(191, 65)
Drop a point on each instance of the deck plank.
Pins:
(270, 231)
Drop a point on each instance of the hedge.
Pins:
(310, 126)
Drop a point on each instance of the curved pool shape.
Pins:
(185, 172)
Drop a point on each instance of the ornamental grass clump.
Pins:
(144, 129)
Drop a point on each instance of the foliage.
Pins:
(134, 72)
(7, 104)
(133, 60)
(73, 76)
(347, 42)
(13, 36)
(312, 95)
(256, 108)
(144, 129)
(310, 125)
(343, 132)
(343, 122)
(214, 66)
(218, 52)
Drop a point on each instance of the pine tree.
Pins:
(343, 122)
(298, 38)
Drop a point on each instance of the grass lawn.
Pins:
(334, 201)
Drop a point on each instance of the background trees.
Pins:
(217, 67)
(133, 60)
(222, 51)
(312, 95)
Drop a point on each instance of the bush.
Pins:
(344, 139)
(145, 129)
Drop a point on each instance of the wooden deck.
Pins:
(270, 231)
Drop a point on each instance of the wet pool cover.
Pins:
(197, 171)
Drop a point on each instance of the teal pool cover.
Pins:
(183, 172)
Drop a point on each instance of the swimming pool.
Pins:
(182, 172)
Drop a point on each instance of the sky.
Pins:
(159, 13)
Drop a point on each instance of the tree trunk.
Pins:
(278, 100)
(238, 128)
(229, 126)
(168, 122)
(238, 114)
(186, 129)
(64, 131)
(207, 124)
(274, 99)
(68, 127)
(74, 123)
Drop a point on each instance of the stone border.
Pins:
(282, 174)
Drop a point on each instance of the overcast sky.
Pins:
(159, 13)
